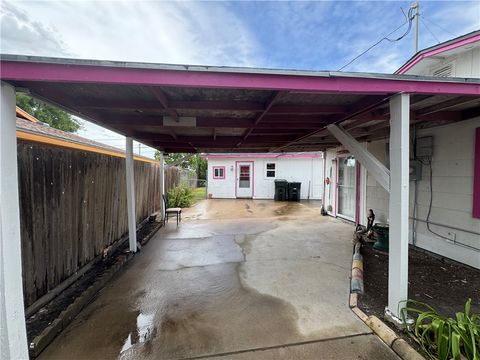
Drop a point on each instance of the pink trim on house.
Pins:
(252, 169)
(439, 50)
(476, 176)
(260, 156)
(31, 71)
(218, 167)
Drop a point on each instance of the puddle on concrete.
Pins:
(288, 209)
(206, 311)
(144, 331)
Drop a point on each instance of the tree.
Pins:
(187, 161)
(48, 114)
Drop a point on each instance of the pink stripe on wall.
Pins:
(268, 156)
(476, 176)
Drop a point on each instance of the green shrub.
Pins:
(442, 337)
(180, 196)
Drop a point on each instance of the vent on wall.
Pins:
(444, 71)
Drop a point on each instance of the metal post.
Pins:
(132, 224)
(416, 6)
(398, 204)
(13, 336)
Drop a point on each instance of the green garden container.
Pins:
(382, 237)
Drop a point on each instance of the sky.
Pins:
(319, 35)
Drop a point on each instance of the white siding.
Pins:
(304, 170)
(464, 64)
(452, 166)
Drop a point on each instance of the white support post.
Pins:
(132, 224)
(13, 337)
(162, 184)
(371, 163)
(399, 202)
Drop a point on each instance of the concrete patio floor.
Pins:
(238, 279)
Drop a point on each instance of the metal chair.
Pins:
(171, 211)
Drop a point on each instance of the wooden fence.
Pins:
(72, 205)
(175, 176)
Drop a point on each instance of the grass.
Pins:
(198, 194)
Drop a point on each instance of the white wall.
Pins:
(453, 167)
(302, 170)
(465, 64)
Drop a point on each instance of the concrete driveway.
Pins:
(238, 279)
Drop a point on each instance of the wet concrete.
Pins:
(225, 282)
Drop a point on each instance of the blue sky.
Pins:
(317, 35)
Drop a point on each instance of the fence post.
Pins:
(13, 336)
(132, 219)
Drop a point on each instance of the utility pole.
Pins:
(416, 6)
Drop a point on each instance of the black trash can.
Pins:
(281, 190)
(294, 191)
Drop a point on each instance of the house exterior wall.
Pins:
(452, 179)
(465, 64)
(304, 170)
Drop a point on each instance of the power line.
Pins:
(430, 31)
(409, 19)
(440, 27)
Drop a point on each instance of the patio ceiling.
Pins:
(203, 109)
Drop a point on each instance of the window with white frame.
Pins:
(270, 170)
(219, 172)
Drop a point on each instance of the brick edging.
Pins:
(388, 336)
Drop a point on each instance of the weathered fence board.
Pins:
(72, 205)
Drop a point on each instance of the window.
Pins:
(219, 172)
(270, 170)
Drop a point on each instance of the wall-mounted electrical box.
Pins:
(424, 148)
(415, 170)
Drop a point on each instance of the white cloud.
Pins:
(170, 32)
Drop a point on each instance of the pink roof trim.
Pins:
(448, 47)
(30, 71)
(263, 156)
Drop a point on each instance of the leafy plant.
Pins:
(442, 337)
(180, 196)
(48, 114)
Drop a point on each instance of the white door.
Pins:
(347, 189)
(244, 181)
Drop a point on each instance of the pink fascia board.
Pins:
(439, 50)
(263, 156)
(30, 71)
(476, 177)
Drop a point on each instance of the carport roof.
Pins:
(183, 108)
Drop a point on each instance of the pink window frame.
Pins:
(213, 172)
(476, 176)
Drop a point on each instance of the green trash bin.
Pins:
(281, 190)
(382, 231)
